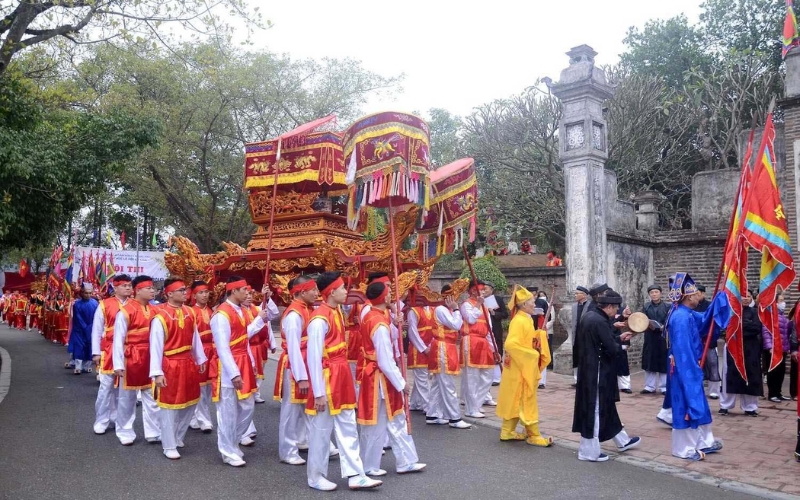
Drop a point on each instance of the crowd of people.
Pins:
(339, 381)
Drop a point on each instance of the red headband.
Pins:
(382, 279)
(143, 284)
(305, 287)
(380, 299)
(175, 286)
(333, 286)
(235, 285)
(117, 281)
(200, 288)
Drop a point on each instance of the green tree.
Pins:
(486, 270)
(54, 159)
(27, 23)
(446, 130)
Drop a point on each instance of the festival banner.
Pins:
(124, 262)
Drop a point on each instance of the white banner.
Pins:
(150, 263)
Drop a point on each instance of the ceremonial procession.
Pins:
(240, 257)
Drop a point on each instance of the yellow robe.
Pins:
(522, 365)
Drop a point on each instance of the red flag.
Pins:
(90, 270)
(23, 268)
(122, 240)
(765, 228)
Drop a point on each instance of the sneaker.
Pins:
(664, 421)
(436, 421)
(99, 430)
(195, 425)
(153, 440)
(294, 461)
(206, 428)
(323, 485)
(626, 391)
(247, 441)
(363, 483)
(258, 399)
(302, 446)
(495, 384)
(645, 391)
(172, 454)
(541, 386)
(775, 399)
(476, 414)
(633, 443)
(417, 467)
(722, 411)
(490, 402)
(234, 462)
(751, 413)
(126, 441)
(602, 458)
(460, 425)
(376, 473)
(785, 398)
(713, 395)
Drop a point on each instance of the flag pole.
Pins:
(398, 312)
(745, 166)
(137, 242)
(272, 220)
(483, 308)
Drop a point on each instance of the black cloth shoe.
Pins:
(645, 391)
(751, 413)
(626, 391)
(723, 411)
(541, 386)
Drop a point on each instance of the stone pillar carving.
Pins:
(647, 204)
(583, 149)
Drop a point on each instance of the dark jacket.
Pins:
(597, 353)
(751, 339)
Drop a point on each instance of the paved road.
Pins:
(48, 450)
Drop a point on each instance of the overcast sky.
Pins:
(457, 55)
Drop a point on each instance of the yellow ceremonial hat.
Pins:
(519, 295)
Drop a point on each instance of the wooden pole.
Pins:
(271, 220)
(399, 313)
(745, 166)
(483, 308)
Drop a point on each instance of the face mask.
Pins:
(781, 306)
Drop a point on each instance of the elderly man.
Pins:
(579, 308)
(654, 351)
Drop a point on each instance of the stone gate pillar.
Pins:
(583, 149)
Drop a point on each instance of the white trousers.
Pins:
(685, 442)
(624, 381)
(202, 410)
(714, 387)
(421, 393)
(746, 403)
(105, 407)
(575, 374)
(126, 414)
(233, 418)
(443, 402)
(589, 449)
(728, 401)
(373, 439)
(174, 424)
(655, 380)
(84, 365)
(543, 380)
(497, 374)
(344, 428)
(293, 425)
(475, 385)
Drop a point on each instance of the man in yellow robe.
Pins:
(526, 354)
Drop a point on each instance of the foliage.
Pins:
(29, 23)
(212, 100)
(486, 270)
(54, 159)
(446, 146)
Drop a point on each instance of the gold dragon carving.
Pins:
(287, 203)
